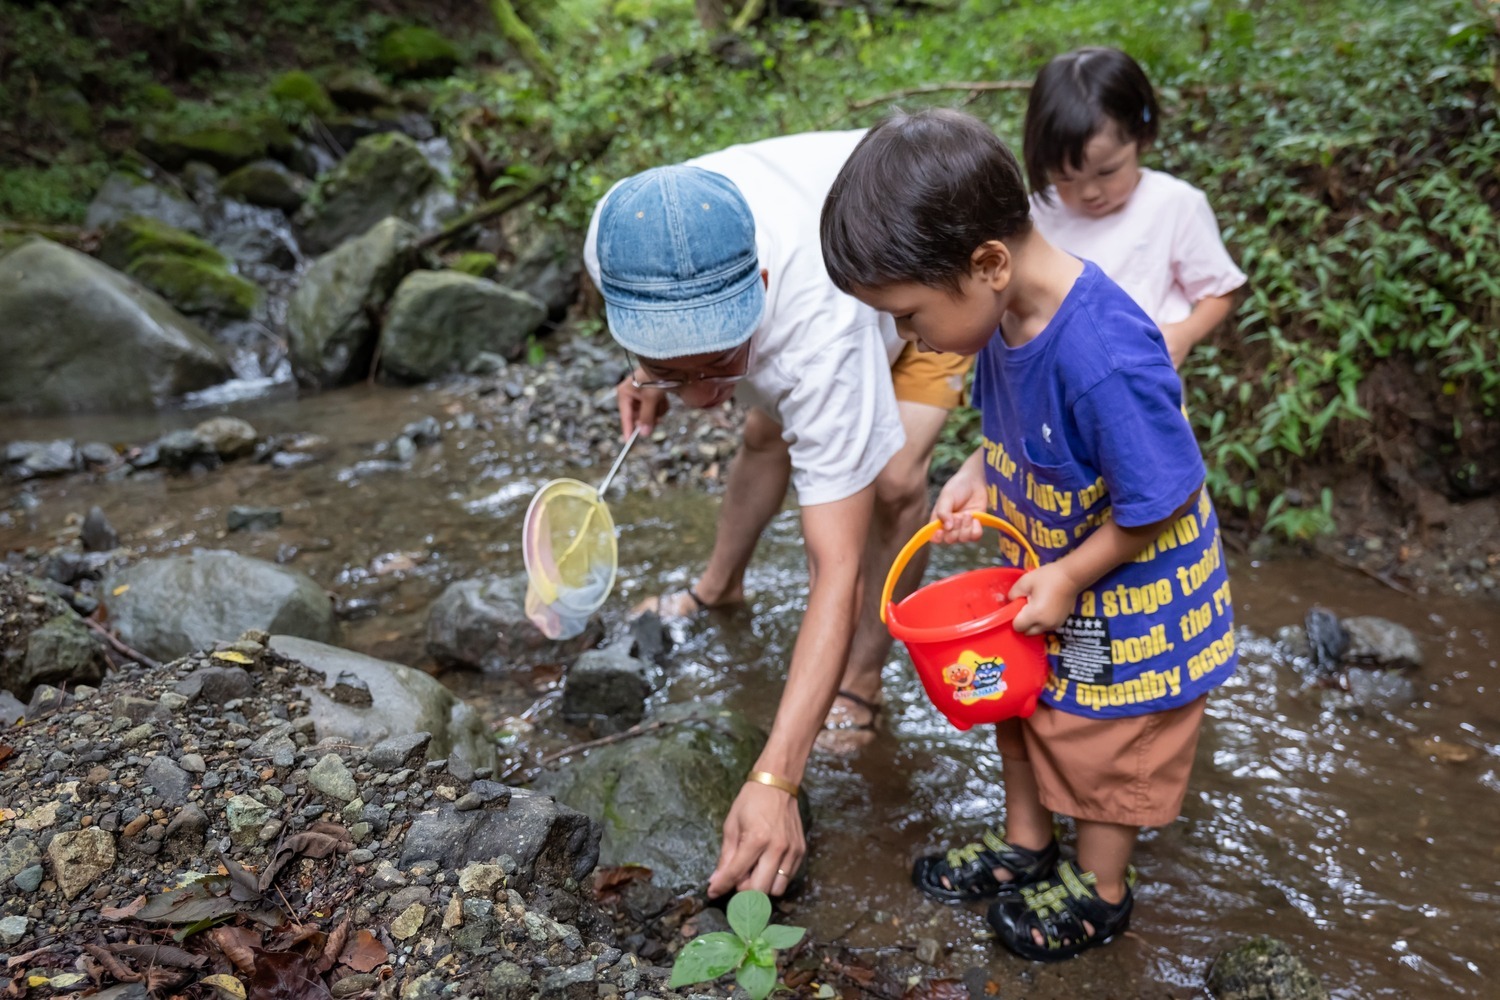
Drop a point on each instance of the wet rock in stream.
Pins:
(1263, 969)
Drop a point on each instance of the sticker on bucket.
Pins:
(976, 678)
(975, 667)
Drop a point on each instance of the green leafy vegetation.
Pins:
(1350, 150)
(748, 950)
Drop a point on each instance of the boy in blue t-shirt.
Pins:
(1087, 452)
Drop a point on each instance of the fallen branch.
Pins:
(481, 213)
(639, 729)
(1375, 575)
(120, 647)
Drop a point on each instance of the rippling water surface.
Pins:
(1337, 830)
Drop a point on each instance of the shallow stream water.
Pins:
(1365, 840)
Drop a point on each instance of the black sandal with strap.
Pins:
(1061, 909)
(969, 870)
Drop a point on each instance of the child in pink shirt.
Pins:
(1091, 116)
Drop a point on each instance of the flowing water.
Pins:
(1366, 840)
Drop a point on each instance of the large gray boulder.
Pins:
(662, 797)
(76, 334)
(367, 701)
(440, 321)
(329, 323)
(383, 175)
(124, 195)
(167, 608)
(482, 623)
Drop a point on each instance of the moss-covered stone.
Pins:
(197, 287)
(358, 89)
(224, 147)
(416, 52)
(476, 263)
(267, 183)
(383, 175)
(66, 108)
(129, 240)
(155, 95)
(301, 90)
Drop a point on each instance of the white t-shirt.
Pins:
(820, 362)
(1163, 246)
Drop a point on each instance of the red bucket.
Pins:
(975, 666)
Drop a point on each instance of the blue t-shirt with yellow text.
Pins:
(1082, 424)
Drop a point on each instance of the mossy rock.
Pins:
(66, 108)
(476, 264)
(155, 95)
(383, 175)
(129, 240)
(269, 184)
(224, 147)
(301, 90)
(416, 52)
(197, 287)
(358, 89)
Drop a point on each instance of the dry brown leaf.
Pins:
(157, 955)
(125, 912)
(609, 883)
(6, 753)
(26, 957)
(112, 964)
(365, 953)
(294, 935)
(238, 945)
(318, 841)
(284, 975)
(938, 989)
(334, 946)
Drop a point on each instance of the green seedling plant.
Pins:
(748, 950)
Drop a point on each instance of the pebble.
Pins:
(28, 879)
(13, 929)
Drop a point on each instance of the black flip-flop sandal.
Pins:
(1061, 908)
(969, 870)
(873, 707)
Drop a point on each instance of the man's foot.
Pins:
(679, 605)
(851, 723)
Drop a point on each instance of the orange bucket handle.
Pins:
(924, 535)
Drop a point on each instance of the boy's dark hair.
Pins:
(1073, 97)
(917, 196)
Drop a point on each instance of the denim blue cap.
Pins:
(677, 263)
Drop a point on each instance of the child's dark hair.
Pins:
(1073, 97)
(917, 196)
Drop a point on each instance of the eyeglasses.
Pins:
(680, 380)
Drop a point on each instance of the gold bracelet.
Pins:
(775, 781)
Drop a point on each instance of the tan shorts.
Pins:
(932, 378)
(1132, 771)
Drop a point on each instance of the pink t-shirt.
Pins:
(1163, 247)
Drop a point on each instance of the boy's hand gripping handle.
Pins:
(924, 535)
